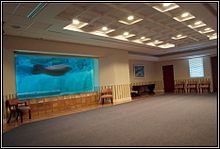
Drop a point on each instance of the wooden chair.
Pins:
(191, 86)
(180, 87)
(18, 108)
(204, 86)
(106, 94)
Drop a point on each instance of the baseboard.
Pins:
(159, 91)
(122, 100)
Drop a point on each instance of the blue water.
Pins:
(40, 76)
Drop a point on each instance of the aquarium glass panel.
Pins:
(42, 76)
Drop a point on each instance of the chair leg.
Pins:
(9, 118)
(29, 111)
(21, 117)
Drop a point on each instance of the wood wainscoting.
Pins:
(59, 104)
(55, 105)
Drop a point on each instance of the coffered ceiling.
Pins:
(148, 28)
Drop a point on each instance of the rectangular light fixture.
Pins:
(129, 22)
(213, 36)
(76, 25)
(73, 28)
(154, 43)
(184, 17)
(179, 37)
(197, 24)
(167, 45)
(36, 10)
(164, 7)
(138, 41)
(124, 36)
(206, 30)
(99, 33)
(151, 44)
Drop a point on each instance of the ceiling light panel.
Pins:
(76, 25)
(164, 7)
(212, 36)
(184, 17)
(177, 37)
(167, 45)
(154, 43)
(103, 31)
(130, 20)
(206, 30)
(197, 24)
(141, 40)
(124, 36)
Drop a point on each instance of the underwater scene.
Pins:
(42, 76)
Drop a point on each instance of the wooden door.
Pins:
(214, 73)
(168, 78)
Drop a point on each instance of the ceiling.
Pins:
(52, 21)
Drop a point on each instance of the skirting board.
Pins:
(159, 91)
(122, 100)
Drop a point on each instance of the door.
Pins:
(214, 73)
(168, 78)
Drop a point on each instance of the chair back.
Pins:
(12, 104)
(107, 91)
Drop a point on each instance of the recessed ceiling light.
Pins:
(180, 36)
(130, 18)
(207, 29)
(151, 44)
(197, 22)
(75, 21)
(213, 36)
(184, 17)
(104, 28)
(166, 4)
(142, 37)
(166, 7)
(155, 42)
(167, 45)
(126, 33)
(76, 25)
(186, 14)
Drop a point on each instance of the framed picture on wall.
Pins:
(139, 71)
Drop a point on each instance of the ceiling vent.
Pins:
(36, 10)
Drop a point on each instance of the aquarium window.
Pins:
(44, 75)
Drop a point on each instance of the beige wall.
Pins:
(181, 69)
(153, 71)
(8, 72)
(113, 69)
(149, 71)
(114, 66)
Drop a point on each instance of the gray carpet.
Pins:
(165, 120)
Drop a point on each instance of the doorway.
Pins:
(214, 73)
(168, 78)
